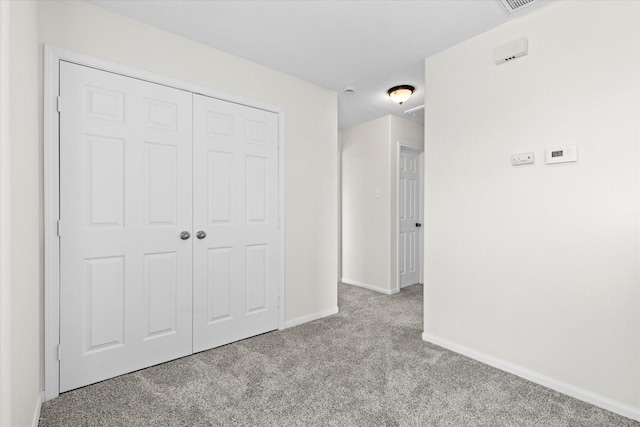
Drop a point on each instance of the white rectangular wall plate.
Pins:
(522, 159)
(510, 51)
(565, 154)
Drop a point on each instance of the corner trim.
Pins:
(370, 287)
(310, 317)
(546, 381)
(36, 414)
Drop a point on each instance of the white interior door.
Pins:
(235, 203)
(409, 216)
(125, 196)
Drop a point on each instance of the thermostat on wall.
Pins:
(568, 153)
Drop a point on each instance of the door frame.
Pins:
(52, 57)
(405, 147)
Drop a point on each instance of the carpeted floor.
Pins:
(366, 366)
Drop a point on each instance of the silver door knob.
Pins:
(201, 234)
(185, 235)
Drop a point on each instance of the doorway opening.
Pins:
(410, 216)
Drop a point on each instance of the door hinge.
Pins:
(59, 228)
(59, 352)
(59, 104)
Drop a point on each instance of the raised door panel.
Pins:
(219, 284)
(219, 191)
(256, 184)
(104, 305)
(160, 184)
(106, 174)
(256, 278)
(160, 300)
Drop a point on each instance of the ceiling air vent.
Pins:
(511, 6)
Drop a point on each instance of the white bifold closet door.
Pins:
(139, 170)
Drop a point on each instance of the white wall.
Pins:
(5, 216)
(369, 232)
(20, 256)
(365, 218)
(539, 266)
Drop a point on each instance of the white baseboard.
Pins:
(370, 287)
(36, 414)
(310, 317)
(552, 383)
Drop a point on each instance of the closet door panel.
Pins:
(236, 204)
(125, 196)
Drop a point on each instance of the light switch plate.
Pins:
(522, 159)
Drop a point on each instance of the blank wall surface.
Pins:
(539, 265)
(21, 254)
(365, 217)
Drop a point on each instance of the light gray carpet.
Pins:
(366, 366)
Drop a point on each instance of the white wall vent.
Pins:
(511, 6)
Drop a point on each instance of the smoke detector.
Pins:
(349, 90)
(511, 6)
(511, 51)
(414, 111)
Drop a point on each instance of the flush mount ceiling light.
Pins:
(400, 93)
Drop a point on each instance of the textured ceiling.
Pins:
(371, 45)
